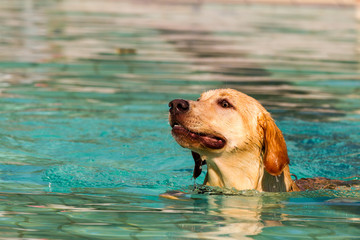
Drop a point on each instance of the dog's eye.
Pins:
(225, 104)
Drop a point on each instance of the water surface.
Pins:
(84, 139)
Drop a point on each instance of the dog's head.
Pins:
(226, 121)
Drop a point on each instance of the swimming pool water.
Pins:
(85, 145)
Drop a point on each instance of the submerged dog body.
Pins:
(236, 137)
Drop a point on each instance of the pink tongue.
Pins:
(212, 142)
(209, 141)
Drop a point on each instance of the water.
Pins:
(85, 144)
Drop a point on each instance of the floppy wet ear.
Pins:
(198, 164)
(275, 156)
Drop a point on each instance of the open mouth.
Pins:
(208, 140)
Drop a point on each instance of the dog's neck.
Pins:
(227, 171)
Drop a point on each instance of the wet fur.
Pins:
(255, 154)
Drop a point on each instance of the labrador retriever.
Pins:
(241, 145)
(236, 137)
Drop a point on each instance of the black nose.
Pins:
(179, 106)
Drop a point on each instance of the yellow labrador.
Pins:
(236, 137)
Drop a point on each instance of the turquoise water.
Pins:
(84, 138)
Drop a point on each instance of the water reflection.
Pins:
(238, 218)
(248, 214)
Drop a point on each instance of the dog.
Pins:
(236, 137)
